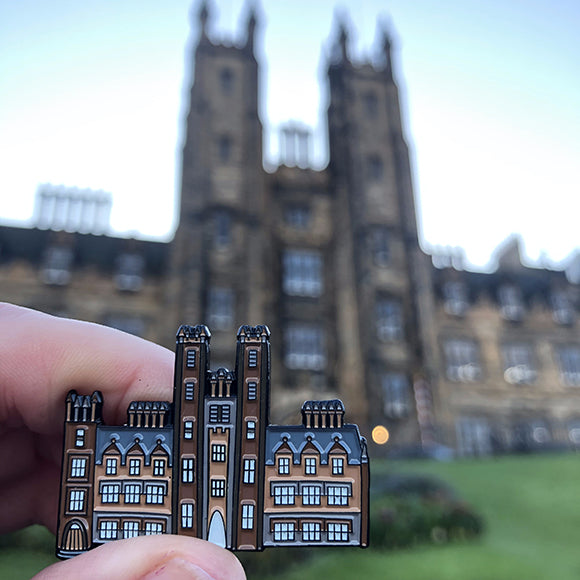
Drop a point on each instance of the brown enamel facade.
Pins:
(208, 464)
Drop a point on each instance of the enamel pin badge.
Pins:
(210, 465)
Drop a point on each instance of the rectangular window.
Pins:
(337, 532)
(283, 465)
(297, 217)
(134, 467)
(187, 470)
(190, 358)
(188, 429)
(57, 266)
(111, 466)
(562, 308)
(219, 414)
(284, 531)
(218, 452)
(214, 413)
(189, 390)
(225, 148)
(519, 368)
(110, 492)
(130, 529)
(129, 272)
(302, 273)
(222, 229)
(250, 430)
(462, 360)
(284, 495)
(226, 81)
(337, 494)
(473, 436)
(310, 465)
(159, 467)
(247, 517)
(252, 391)
(455, 301)
(337, 466)
(569, 363)
(221, 308)
(76, 500)
(132, 493)
(311, 495)
(305, 347)
(511, 302)
(153, 528)
(80, 438)
(375, 169)
(396, 399)
(311, 532)
(78, 467)
(389, 319)
(218, 487)
(187, 515)
(154, 494)
(380, 249)
(108, 530)
(252, 358)
(249, 470)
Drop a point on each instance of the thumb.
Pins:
(157, 557)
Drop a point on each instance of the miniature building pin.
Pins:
(210, 465)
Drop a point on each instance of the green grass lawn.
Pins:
(531, 506)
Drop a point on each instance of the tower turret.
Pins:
(253, 375)
(191, 367)
(83, 414)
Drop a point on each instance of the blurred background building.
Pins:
(329, 260)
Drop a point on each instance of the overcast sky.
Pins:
(92, 94)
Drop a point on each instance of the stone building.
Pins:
(330, 261)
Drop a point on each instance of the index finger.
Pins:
(42, 357)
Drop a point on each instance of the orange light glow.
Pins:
(380, 435)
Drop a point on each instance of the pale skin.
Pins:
(41, 359)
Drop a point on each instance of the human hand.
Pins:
(41, 359)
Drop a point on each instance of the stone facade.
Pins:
(330, 260)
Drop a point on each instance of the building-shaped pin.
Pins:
(210, 465)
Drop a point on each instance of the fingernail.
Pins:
(178, 569)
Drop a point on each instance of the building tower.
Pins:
(219, 240)
(83, 415)
(191, 368)
(253, 371)
(219, 458)
(376, 247)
